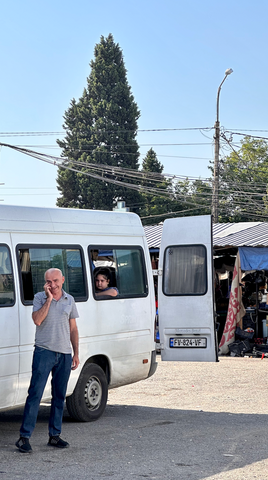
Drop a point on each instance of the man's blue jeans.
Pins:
(44, 362)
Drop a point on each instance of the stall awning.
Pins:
(253, 258)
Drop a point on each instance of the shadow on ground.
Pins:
(137, 442)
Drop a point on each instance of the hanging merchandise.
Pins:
(236, 310)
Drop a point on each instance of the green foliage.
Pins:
(181, 198)
(243, 181)
(193, 198)
(100, 129)
(243, 187)
(151, 163)
(161, 201)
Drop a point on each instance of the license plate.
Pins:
(188, 342)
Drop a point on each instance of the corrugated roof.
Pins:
(153, 235)
(249, 234)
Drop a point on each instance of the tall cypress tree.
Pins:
(100, 128)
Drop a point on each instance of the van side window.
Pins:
(7, 294)
(35, 260)
(126, 266)
(185, 270)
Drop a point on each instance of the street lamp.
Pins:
(215, 195)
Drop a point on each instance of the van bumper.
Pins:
(153, 366)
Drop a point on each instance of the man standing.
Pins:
(54, 314)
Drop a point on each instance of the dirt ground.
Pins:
(234, 384)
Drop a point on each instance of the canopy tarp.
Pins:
(253, 258)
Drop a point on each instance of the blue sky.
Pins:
(175, 52)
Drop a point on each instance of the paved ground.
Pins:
(190, 421)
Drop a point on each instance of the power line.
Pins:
(167, 214)
(107, 131)
(235, 131)
(148, 176)
(56, 147)
(128, 173)
(110, 152)
(245, 135)
(31, 134)
(245, 130)
(27, 194)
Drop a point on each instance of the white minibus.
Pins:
(116, 334)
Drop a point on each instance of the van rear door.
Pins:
(186, 290)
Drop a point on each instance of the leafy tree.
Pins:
(100, 130)
(243, 186)
(175, 198)
(193, 198)
(243, 180)
(161, 201)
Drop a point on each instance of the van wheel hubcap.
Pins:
(93, 393)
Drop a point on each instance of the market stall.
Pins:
(247, 309)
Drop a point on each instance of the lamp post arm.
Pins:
(218, 98)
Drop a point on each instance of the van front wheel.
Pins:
(88, 401)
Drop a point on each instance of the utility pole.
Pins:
(215, 195)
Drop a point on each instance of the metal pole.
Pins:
(215, 195)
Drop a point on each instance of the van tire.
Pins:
(89, 398)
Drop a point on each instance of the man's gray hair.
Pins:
(51, 270)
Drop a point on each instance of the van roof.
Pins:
(68, 220)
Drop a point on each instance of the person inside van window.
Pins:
(102, 281)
